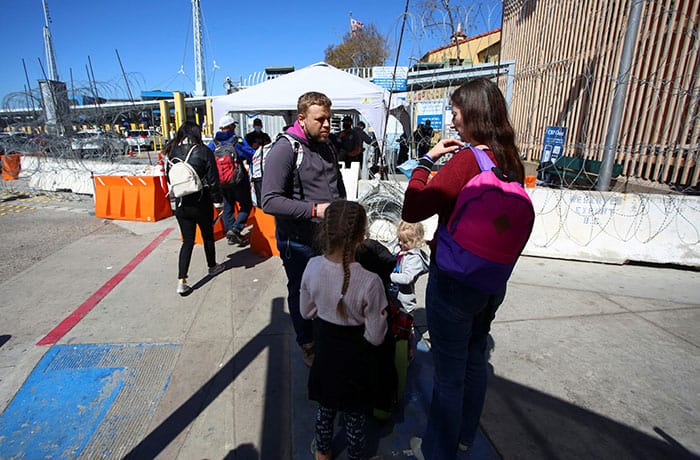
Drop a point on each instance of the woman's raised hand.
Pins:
(449, 145)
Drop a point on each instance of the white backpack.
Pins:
(182, 178)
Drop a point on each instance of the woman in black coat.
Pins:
(196, 209)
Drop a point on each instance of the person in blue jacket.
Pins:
(239, 193)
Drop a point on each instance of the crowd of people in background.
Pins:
(338, 300)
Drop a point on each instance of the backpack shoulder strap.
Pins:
(298, 151)
(170, 161)
(187, 158)
(485, 163)
(296, 147)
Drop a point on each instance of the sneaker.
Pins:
(245, 240)
(317, 453)
(216, 269)
(308, 350)
(416, 444)
(234, 237)
(462, 447)
(183, 288)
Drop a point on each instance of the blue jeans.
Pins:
(294, 257)
(238, 194)
(459, 320)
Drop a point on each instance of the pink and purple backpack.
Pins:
(487, 230)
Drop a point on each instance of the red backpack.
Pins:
(230, 169)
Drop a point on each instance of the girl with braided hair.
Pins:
(348, 306)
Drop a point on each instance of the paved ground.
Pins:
(589, 360)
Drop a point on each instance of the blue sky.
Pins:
(154, 38)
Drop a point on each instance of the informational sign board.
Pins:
(430, 110)
(554, 138)
(447, 131)
(384, 76)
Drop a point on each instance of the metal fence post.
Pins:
(613, 133)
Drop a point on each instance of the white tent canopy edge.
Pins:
(279, 96)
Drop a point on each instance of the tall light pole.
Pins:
(200, 87)
(48, 45)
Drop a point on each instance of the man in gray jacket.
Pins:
(301, 179)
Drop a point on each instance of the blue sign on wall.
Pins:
(399, 84)
(435, 120)
(554, 137)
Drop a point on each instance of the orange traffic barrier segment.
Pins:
(138, 198)
(262, 236)
(11, 166)
(219, 231)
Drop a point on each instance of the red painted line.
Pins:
(74, 318)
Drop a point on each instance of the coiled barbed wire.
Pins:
(383, 202)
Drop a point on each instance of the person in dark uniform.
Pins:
(257, 137)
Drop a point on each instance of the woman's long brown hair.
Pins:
(485, 116)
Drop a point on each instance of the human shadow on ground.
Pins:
(527, 423)
(245, 258)
(518, 422)
(523, 422)
(243, 452)
(274, 439)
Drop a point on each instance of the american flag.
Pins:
(355, 25)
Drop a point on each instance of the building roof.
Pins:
(461, 42)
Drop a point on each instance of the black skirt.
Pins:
(344, 372)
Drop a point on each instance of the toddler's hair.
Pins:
(412, 234)
(344, 225)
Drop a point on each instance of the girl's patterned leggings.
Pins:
(354, 431)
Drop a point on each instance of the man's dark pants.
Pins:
(294, 257)
(240, 194)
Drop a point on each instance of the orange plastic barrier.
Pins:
(219, 231)
(530, 181)
(262, 236)
(11, 166)
(131, 198)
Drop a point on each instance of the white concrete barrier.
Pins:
(58, 174)
(603, 226)
(615, 227)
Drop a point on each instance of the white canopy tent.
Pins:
(279, 96)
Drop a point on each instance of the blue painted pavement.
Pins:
(69, 394)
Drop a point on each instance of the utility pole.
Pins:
(613, 134)
(126, 80)
(48, 45)
(199, 76)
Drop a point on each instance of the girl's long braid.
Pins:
(347, 254)
(344, 224)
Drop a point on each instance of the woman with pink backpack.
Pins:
(459, 308)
